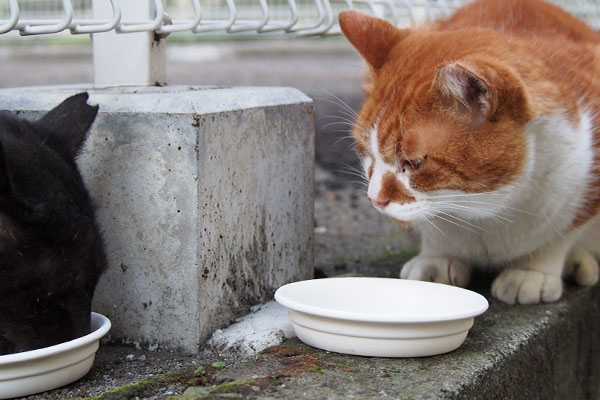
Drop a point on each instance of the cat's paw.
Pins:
(583, 267)
(523, 286)
(437, 269)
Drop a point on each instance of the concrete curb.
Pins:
(546, 351)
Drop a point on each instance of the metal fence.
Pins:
(300, 17)
(132, 31)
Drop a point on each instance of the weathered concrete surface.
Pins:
(512, 352)
(546, 351)
(205, 197)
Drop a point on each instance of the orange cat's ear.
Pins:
(372, 37)
(470, 88)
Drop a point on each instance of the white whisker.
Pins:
(344, 118)
(462, 221)
(361, 176)
(475, 210)
(345, 138)
(355, 169)
(430, 222)
(466, 195)
(454, 223)
(358, 191)
(341, 103)
(343, 124)
(340, 123)
(362, 183)
(498, 205)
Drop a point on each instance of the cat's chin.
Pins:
(407, 214)
(406, 224)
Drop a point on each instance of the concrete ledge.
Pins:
(205, 196)
(547, 351)
(512, 352)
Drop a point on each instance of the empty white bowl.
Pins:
(380, 317)
(35, 371)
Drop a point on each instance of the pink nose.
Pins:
(380, 203)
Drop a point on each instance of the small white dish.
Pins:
(35, 371)
(381, 317)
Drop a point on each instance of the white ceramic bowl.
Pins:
(35, 371)
(380, 317)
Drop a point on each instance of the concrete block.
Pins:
(205, 197)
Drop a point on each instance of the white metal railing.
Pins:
(302, 17)
(133, 31)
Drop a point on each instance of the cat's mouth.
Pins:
(406, 213)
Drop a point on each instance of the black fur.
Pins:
(51, 250)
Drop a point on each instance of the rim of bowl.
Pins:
(481, 306)
(61, 347)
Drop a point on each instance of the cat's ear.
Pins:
(67, 124)
(470, 88)
(373, 37)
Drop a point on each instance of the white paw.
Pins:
(437, 269)
(583, 267)
(523, 286)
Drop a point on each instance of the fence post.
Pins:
(132, 59)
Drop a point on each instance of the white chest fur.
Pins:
(538, 208)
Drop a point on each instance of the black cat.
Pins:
(51, 250)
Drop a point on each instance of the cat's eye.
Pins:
(403, 166)
(410, 165)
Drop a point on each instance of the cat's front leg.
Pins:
(534, 279)
(582, 267)
(437, 269)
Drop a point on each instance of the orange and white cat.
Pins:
(481, 131)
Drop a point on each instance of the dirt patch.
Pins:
(250, 378)
(295, 362)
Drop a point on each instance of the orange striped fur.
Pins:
(453, 105)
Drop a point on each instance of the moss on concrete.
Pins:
(148, 386)
(391, 259)
(236, 386)
(233, 389)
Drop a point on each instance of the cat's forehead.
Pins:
(375, 143)
(398, 104)
(373, 140)
(401, 101)
(405, 135)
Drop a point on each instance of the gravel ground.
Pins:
(350, 234)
